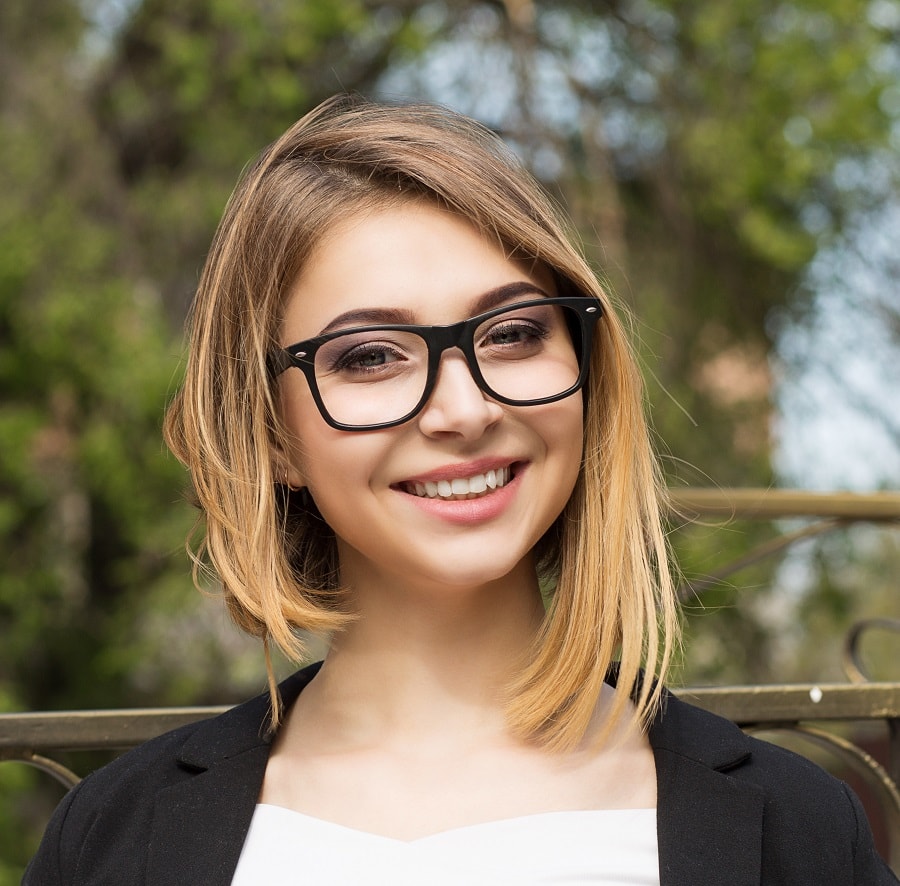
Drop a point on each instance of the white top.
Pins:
(612, 847)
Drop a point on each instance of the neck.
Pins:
(424, 663)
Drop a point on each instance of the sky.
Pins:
(838, 394)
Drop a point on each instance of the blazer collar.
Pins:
(240, 729)
(199, 823)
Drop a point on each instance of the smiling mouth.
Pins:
(476, 486)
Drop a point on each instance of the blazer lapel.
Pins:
(199, 825)
(709, 827)
(709, 824)
(200, 822)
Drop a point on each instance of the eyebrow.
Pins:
(401, 316)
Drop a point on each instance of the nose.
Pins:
(457, 405)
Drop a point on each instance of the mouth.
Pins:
(461, 488)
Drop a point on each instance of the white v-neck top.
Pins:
(612, 847)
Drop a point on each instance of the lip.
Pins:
(467, 511)
(462, 471)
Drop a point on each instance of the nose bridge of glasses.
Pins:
(441, 339)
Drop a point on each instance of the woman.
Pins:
(413, 422)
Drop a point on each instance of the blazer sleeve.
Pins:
(868, 866)
(47, 866)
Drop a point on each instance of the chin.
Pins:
(475, 575)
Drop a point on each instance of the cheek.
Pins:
(338, 467)
(566, 431)
(299, 419)
(561, 428)
(570, 446)
(303, 425)
(569, 443)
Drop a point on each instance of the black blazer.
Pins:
(731, 809)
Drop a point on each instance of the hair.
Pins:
(613, 603)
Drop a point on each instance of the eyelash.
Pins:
(531, 328)
(350, 360)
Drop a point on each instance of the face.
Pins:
(431, 267)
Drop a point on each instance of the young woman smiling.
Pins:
(413, 423)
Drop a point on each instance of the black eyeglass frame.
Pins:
(438, 339)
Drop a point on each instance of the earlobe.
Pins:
(293, 479)
(285, 472)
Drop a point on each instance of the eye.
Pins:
(514, 334)
(365, 358)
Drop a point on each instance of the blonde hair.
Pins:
(274, 555)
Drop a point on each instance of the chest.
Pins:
(414, 794)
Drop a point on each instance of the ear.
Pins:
(283, 451)
(285, 469)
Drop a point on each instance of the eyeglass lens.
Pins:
(379, 375)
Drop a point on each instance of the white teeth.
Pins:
(462, 487)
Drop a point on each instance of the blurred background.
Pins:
(733, 170)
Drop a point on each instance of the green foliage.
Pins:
(728, 631)
(18, 781)
(786, 91)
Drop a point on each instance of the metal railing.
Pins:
(775, 504)
(829, 511)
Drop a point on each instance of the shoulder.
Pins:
(191, 779)
(107, 821)
(806, 820)
(167, 760)
(694, 734)
(114, 804)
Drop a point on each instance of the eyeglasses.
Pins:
(371, 377)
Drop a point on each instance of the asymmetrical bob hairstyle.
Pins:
(605, 557)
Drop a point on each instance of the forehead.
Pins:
(418, 258)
